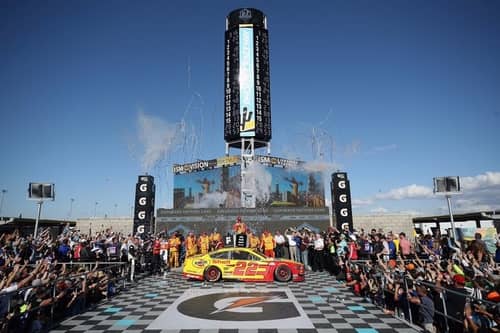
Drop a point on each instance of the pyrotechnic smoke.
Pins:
(262, 179)
(211, 200)
(157, 137)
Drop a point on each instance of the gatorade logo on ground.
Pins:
(243, 305)
(226, 308)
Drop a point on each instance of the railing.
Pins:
(54, 305)
(404, 281)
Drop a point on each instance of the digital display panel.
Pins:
(215, 188)
(247, 82)
(221, 188)
(247, 95)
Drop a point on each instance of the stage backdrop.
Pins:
(219, 187)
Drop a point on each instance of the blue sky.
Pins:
(94, 93)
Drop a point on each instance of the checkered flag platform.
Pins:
(172, 304)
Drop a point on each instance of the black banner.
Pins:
(144, 205)
(241, 240)
(341, 200)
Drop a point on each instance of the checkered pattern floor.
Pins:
(329, 306)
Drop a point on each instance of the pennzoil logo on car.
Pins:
(199, 262)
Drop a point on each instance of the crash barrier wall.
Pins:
(408, 284)
(17, 313)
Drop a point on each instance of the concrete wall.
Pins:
(396, 223)
(118, 224)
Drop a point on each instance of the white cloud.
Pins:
(379, 210)
(380, 149)
(362, 202)
(482, 181)
(413, 191)
(411, 212)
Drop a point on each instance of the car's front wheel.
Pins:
(212, 274)
(283, 273)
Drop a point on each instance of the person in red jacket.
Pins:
(155, 264)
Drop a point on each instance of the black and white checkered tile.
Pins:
(330, 307)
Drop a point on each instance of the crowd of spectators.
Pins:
(431, 280)
(47, 279)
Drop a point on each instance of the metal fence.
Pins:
(445, 321)
(39, 308)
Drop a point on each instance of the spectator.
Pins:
(405, 246)
(425, 308)
(64, 251)
(280, 243)
(318, 254)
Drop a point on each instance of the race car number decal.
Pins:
(251, 268)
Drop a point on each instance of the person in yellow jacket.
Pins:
(204, 243)
(268, 244)
(191, 246)
(173, 250)
(215, 240)
(253, 241)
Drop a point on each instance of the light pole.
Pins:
(448, 185)
(71, 200)
(114, 213)
(448, 199)
(1, 200)
(95, 209)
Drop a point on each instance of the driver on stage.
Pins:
(239, 227)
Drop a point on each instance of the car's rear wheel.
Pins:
(283, 273)
(212, 274)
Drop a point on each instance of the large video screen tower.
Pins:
(247, 86)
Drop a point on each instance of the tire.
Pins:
(212, 274)
(283, 273)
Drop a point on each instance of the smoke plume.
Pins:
(158, 139)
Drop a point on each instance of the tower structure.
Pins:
(247, 98)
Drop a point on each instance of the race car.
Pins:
(244, 264)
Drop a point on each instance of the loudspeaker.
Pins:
(144, 205)
(341, 200)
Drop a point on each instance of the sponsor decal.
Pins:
(199, 263)
(223, 308)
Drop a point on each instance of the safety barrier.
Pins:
(408, 284)
(85, 289)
